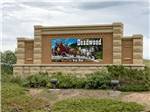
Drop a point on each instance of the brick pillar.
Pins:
(117, 36)
(37, 56)
(138, 49)
(20, 54)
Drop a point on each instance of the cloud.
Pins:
(103, 4)
(19, 17)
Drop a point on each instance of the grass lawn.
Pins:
(95, 105)
(18, 99)
(147, 62)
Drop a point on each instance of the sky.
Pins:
(19, 17)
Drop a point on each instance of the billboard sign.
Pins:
(76, 49)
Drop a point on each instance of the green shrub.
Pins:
(37, 80)
(6, 68)
(17, 79)
(98, 80)
(6, 77)
(68, 81)
(130, 79)
(95, 105)
(134, 87)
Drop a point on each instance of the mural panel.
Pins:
(76, 49)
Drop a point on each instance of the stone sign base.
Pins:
(29, 69)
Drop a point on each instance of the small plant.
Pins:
(37, 80)
(98, 80)
(68, 81)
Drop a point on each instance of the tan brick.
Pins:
(117, 30)
(37, 50)
(20, 61)
(117, 36)
(137, 61)
(37, 56)
(35, 68)
(117, 61)
(137, 49)
(20, 50)
(137, 55)
(20, 56)
(21, 44)
(37, 38)
(37, 61)
(37, 44)
(117, 49)
(116, 55)
(137, 42)
(116, 43)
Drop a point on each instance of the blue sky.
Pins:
(19, 17)
(65, 41)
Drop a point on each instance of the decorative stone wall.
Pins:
(117, 36)
(137, 49)
(113, 31)
(37, 56)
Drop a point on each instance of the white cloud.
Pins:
(19, 16)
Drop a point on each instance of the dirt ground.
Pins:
(141, 98)
(55, 95)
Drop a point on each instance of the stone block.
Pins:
(20, 50)
(37, 50)
(20, 56)
(116, 43)
(37, 56)
(117, 30)
(20, 61)
(37, 61)
(137, 42)
(137, 49)
(117, 61)
(116, 55)
(117, 49)
(117, 36)
(37, 39)
(137, 61)
(21, 44)
(37, 44)
(35, 69)
(137, 55)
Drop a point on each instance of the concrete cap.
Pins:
(137, 36)
(37, 26)
(24, 39)
(117, 24)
